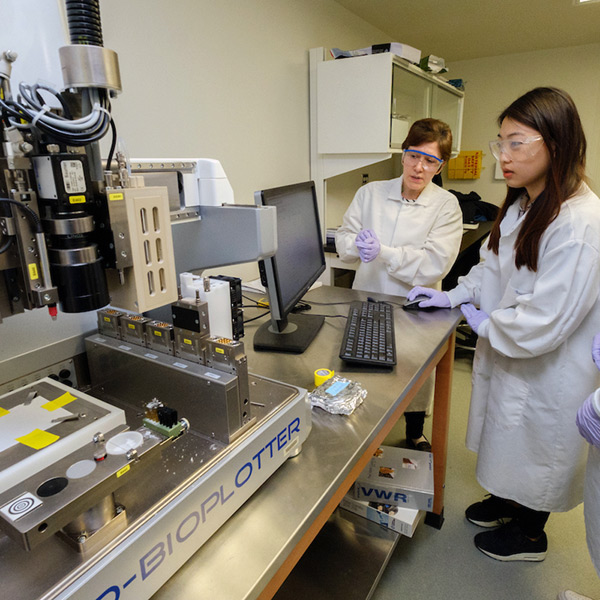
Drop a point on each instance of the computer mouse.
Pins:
(414, 304)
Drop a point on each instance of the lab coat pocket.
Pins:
(507, 399)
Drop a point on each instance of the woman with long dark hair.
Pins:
(537, 287)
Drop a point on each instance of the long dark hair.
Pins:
(553, 113)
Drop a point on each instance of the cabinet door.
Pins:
(447, 106)
(353, 104)
(411, 101)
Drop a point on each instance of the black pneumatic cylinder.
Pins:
(83, 18)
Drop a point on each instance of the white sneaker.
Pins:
(569, 595)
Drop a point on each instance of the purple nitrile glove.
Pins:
(436, 298)
(596, 350)
(473, 316)
(365, 234)
(369, 252)
(588, 422)
(368, 246)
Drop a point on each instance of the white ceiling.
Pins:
(466, 29)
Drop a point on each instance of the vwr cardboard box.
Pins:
(396, 518)
(397, 476)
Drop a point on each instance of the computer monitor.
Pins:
(296, 265)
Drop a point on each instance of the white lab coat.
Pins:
(419, 240)
(591, 498)
(532, 364)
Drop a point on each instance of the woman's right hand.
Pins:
(436, 298)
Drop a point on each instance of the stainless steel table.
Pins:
(253, 553)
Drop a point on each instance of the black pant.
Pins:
(414, 424)
(532, 522)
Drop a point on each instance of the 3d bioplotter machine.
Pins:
(109, 484)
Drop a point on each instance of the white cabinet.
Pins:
(361, 109)
(366, 104)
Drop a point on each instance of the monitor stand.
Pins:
(295, 337)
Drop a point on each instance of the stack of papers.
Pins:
(402, 50)
(330, 236)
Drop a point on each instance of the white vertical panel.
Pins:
(33, 29)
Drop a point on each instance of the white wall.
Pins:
(493, 83)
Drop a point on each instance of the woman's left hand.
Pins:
(473, 316)
(368, 245)
(588, 422)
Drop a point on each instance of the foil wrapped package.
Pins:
(338, 395)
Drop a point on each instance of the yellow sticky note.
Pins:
(38, 439)
(3, 411)
(59, 402)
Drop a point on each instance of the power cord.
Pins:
(258, 317)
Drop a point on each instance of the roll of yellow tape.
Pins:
(322, 375)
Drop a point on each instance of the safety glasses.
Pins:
(521, 149)
(413, 157)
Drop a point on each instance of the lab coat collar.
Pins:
(512, 219)
(395, 192)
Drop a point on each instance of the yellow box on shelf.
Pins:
(467, 165)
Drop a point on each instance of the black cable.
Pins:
(78, 139)
(113, 144)
(28, 212)
(65, 108)
(301, 306)
(6, 107)
(71, 138)
(31, 95)
(259, 317)
(6, 244)
(325, 303)
(257, 303)
(20, 112)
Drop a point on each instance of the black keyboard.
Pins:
(369, 335)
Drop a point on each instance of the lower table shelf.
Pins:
(345, 560)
